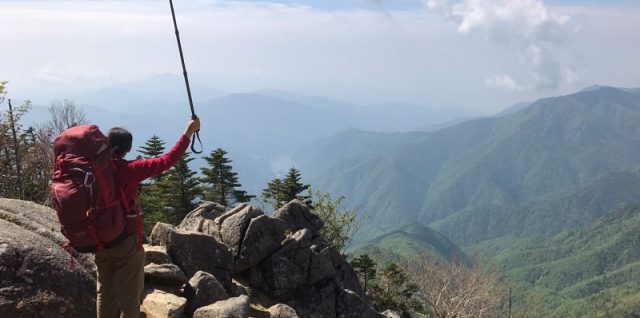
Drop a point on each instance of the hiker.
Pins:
(120, 281)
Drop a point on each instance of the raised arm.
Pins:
(146, 168)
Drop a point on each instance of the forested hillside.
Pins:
(487, 174)
(543, 192)
(412, 240)
(592, 272)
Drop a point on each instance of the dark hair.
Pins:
(120, 140)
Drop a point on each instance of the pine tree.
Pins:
(152, 200)
(152, 148)
(394, 289)
(180, 190)
(365, 267)
(280, 191)
(222, 180)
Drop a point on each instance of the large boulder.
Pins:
(349, 304)
(298, 216)
(321, 266)
(156, 255)
(193, 252)
(306, 272)
(345, 277)
(37, 277)
(203, 289)
(202, 218)
(237, 307)
(234, 224)
(160, 234)
(164, 274)
(328, 300)
(282, 311)
(263, 236)
(159, 304)
(287, 268)
(316, 301)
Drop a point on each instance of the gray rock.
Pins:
(238, 289)
(43, 221)
(166, 274)
(231, 212)
(316, 301)
(203, 289)
(237, 307)
(177, 290)
(298, 216)
(264, 236)
(234, 225)
(321, 266)
(286, 269)
(159, 304)
(156, 255)
(282, 311)
(350, 305)
(160, 233)
(194, 252)
(345, 277)
(201, 219)
(36, 275)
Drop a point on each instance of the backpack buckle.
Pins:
(89, 179)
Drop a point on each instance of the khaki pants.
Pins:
(120, 280)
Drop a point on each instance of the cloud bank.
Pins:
(526, 27)
(443, 54)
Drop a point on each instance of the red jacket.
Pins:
(129, 175)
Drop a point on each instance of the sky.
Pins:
(477, 55)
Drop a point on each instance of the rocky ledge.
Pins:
(216, 263)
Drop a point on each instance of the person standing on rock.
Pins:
(120, 280)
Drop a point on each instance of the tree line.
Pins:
(26, 153)
(169, 197)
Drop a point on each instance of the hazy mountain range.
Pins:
(258, 129)
(490, 167)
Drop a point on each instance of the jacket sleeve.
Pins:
(146, 168)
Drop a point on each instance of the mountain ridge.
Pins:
(554, 145)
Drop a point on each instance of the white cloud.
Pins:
(527, 27)
(71, 74)
(503, 81)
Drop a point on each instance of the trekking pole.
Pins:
(186, 82)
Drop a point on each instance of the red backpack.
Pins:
(84, 192)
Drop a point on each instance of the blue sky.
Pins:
(479, 55)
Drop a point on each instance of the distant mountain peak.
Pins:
(591, 88)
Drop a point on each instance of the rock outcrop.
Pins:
(37, 277)
(216, 263)
(284, 258)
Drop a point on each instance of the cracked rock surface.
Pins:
(37, 277)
